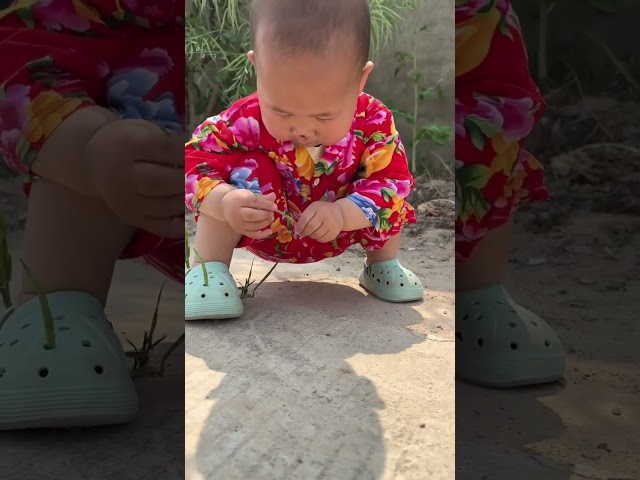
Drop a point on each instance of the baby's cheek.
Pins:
(276, 128)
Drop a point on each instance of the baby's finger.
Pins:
(304, 220)
(260, 234)
(325, 238)
(254, 215)
(319, 233)
(256, 226)
(261, 202)
(157, 180)
(305, 227)
(147, 141)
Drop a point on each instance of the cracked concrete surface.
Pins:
(320, 381)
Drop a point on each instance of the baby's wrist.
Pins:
(213, 205)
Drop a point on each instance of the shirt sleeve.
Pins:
(215, 148)
(384, 180)
(39, 89)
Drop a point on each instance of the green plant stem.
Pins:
(47, 316)
(6, 297)
(416, 97)
(543, 33)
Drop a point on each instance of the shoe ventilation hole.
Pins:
(534, 323)
(203, 295)
(514, 346)
(98, 369)
(512, 324)
(43, 372)
(59, 317)
(480, 342)
(86, 343)
(547, 343)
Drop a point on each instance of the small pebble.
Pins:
(423, 425)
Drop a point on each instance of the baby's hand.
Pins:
(136, 168)
(322, 221)
(249, 214)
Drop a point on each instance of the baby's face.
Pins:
(308, 100)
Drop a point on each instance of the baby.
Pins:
(498, 342)
(90, 93)
(306, 167)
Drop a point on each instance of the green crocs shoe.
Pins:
(502, 344)
(219, 299)
(83, 381)
(391, 282)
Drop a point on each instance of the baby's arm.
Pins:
(210, 156)
(377, 198)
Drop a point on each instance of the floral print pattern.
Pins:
(369, 167)
(497, 105)
(125, 55)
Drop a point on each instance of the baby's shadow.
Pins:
(289, 405)
(495, 430)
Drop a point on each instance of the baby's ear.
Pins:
(251, 55)
(366, 71)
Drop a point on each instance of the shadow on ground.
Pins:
(289, 405)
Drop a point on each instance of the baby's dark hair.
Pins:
(311, 26)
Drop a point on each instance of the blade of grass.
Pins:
(204, 268)
(187, 250)
(5, 266)
(47, 316)
(253, 293)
